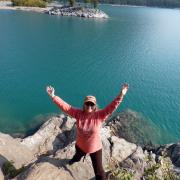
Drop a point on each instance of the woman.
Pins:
(88, 123)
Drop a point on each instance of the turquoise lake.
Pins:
(78, 56)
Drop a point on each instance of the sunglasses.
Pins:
(89, 104)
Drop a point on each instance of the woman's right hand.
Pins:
(124, 89)
(50, 90)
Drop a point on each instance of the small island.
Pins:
(88, 9)
(77, 11)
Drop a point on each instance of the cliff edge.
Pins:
(45, 154)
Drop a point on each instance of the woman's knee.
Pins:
(77, 156)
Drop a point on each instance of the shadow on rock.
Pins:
(59, 163)
(62, 140)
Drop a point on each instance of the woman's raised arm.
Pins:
(109, 109)
(64, 106)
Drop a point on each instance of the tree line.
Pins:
(152, 3)
(157, 3)
(94, 3)
(42, 3)
(30, 3)
(87, 3)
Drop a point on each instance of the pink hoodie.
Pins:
(88, 124)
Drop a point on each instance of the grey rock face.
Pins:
(171, 150)
(56, 133)
(121, 149)
(47, 152)
(175, 154)
(12, 149)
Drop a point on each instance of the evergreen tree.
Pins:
(72, 3)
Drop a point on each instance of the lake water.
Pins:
(78, 56)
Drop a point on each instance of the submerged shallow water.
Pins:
(78, 56)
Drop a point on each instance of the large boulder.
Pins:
(56, 133)
(12, 149)
(171, 150)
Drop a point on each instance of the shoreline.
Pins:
(143, 6)
(24, 8)
(129, 119)
(136, 6)
(6, 5)
(55, 8)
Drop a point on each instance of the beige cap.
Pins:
(90, 98)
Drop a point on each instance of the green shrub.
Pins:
(72, 3)
(122, 173)
(150, 173)
(118, 172)
(29, 3)
(165, 166)
(9, 170)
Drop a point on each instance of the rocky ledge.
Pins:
(77, 11)
(45, 154)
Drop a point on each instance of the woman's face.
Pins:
(89, 107)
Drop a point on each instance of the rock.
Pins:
(47, 152)
(2, 160)
(121, 149)
(77, 11)
(135, 162)
(105, 136)
(175, 154)
(171, 150)
(44, 171)
(11, 149)
(54, 134)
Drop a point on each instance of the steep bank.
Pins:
(45, 154)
